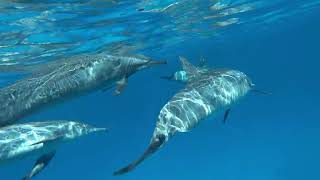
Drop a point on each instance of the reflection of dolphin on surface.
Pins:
(207, 92)
(40, 138)
(67, 78)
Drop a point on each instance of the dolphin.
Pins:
(69, 77)
(207, 92)
(40, 139)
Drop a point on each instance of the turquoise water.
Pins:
(266, 136)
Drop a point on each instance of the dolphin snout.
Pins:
(153, 63)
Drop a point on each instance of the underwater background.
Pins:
(266, 137)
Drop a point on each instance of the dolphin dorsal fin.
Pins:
(203, 62)
(190, 69)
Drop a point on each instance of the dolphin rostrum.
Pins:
(67, 78)
(207, 91)
(39, 138)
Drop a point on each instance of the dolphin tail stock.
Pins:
(153, 147)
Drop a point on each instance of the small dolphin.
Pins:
(206, 93)
(68, 78)
(39, 138)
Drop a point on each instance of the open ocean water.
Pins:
(266, 137)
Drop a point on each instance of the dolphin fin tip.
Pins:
(123, 170)
(26, 178)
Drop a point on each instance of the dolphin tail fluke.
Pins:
(128, 168)
(153, 147)
(26, 178)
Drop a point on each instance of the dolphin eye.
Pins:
(116, 63)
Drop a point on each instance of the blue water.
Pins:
(266, 137)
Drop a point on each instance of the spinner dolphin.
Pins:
(207, 91)
(40, 139)
(67, 78)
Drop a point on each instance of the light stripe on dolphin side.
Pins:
(67, 78)
(207, 92)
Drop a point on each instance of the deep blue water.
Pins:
(267, 137)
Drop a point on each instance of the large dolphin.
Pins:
(40, 139)
(207, 91)
(66, 78)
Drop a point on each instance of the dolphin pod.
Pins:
(39, 138)
(68, 78)
(207, 91)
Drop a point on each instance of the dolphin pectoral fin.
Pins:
(226, 114)
(50, 140)
(153, 147)
(120, 86)
(40, 164)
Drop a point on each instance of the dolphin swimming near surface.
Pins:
(67, 78)
(40, 139)
(207, 91)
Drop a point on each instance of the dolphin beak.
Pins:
(153, 147)
(155, 63)
(100, 130)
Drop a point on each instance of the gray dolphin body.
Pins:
(206, 93)
(39, 138)
(66, 78)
